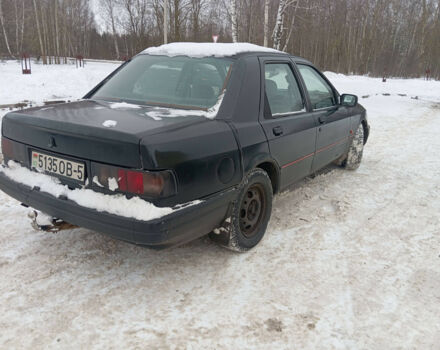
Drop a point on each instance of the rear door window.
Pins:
(320, 93)
(282, 89)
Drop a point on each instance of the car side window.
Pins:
(321, 94)
(282, 89)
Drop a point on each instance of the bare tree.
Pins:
(279, 23)
(40, 39)
(179, 14)
(109, 9)
(17, 26)
(292, 24)
(266, 23)
(136, 24)
(399, 37)
(196, 9)
(57, 34)
(22, 27)
(2, 22)
(234, 23)
(166, 8)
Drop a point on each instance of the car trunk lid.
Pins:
(93, 130)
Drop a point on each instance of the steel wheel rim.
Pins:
(252, 209)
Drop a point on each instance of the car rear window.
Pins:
(169, 81)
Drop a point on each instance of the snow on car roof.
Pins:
(206, 49)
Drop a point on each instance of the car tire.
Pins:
(355, 152)
(250, 214)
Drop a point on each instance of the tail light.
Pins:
(143, 183)
(12, 150)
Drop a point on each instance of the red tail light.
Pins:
(143, 183)
(135, 182)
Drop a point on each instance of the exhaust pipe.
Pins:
(47, 223)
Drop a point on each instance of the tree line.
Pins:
(376, 37)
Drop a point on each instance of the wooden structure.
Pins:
(25, 63)
(79, 60)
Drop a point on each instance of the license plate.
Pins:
(58, 166)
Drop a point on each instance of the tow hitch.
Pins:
(42, 222)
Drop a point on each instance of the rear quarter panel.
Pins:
(245, 116)
(204, 157)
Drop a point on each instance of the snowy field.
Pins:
(351, 260)
(63, 82)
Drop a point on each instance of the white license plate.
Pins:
(58, 166)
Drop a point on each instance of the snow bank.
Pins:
(118, 204)
(206, 49)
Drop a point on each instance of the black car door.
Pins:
(290, 129)
(334, 124)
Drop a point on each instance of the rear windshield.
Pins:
(169, 81)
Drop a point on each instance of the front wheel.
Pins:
(354, 155)
(250, 213)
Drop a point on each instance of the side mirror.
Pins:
(349, 100)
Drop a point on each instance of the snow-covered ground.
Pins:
(351, 260)
(63, 82)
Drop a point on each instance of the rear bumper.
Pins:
(176, 228)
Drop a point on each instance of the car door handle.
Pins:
(322, 119)
(278, 130)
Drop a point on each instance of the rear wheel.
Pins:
(250, 213)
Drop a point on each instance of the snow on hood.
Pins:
(117, 204)
(205, 49)
(158, 113)
(123, 105)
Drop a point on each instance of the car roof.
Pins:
(297, 59)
